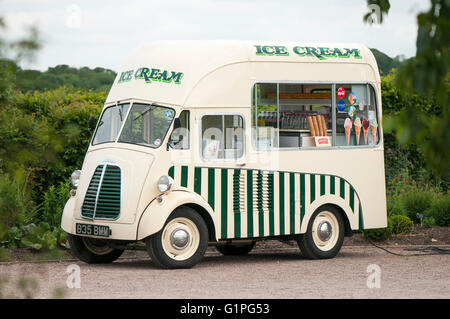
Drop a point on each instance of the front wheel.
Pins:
(181, 243)
(324, 236)
(93, 250)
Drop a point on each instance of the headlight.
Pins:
(165, 183)
(75, 178)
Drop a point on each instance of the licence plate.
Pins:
(92, 230)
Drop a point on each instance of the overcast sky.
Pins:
(103, 32)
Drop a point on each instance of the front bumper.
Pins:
(119, 231)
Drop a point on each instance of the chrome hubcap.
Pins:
(324, 231)
(179, 238)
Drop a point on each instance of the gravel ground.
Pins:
(271, 270)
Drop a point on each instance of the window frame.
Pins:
(166, 136)
(106, 107)
(188, 122)
(244, 146)
(333, 84)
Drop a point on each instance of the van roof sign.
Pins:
(199, 73)
(321, 53)
(151, 74)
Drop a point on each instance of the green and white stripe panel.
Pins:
(256, 203)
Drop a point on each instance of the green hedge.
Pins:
(43, 139)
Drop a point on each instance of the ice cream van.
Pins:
(225, 143)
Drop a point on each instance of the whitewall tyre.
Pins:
(182, 242)
(325, 234)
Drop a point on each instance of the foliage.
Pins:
(396, 224)
(427, 74)
(400, 224)
(385, 63)
(393, 206)
(378, 234)
(439, 210)
(416, 202)
(15, 206)
(428, 222)
(4, 256)
(44, 135)
(98, 79)
(53, 205)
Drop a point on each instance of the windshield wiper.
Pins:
(151, 108)
(120, 112)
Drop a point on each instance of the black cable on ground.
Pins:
(435, 250)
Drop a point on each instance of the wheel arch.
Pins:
(156, 213)
(347, 228)
(206, 217)
(350, 217)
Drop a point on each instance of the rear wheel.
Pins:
(181, 243)
(93, 250)
(235, 249)
(325, 234)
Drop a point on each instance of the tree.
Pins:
(426, 74)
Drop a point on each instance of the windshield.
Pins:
(110, 123)
(147, 125)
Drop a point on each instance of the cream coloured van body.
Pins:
(247, 166)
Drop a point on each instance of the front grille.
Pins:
(103, 195)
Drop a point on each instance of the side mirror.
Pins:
(92, 123)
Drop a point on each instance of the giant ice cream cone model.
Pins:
(374, 126)
(366, 125)
(357, 125)
(348, 128)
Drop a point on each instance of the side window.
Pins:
(291, 115)
(180, 135)
(356, 115)
(265, 116)
(222, 137)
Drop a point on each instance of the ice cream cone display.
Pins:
(316, 126)
(357, 125)
(374, 126)
(320, 124)
(348, 128)
(324, 125)
(366, 124)
(311, 126)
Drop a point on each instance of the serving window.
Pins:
(294, 115)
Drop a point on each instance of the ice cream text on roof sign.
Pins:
(150, 75)
(321, 53)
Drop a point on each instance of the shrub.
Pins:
(400, 224)
(440, 210)
(378, 233)
(54, 201)
(428, 222)
(393, 206)
(416, 201)
(43, 237)
(4, 256)
(15, 205)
